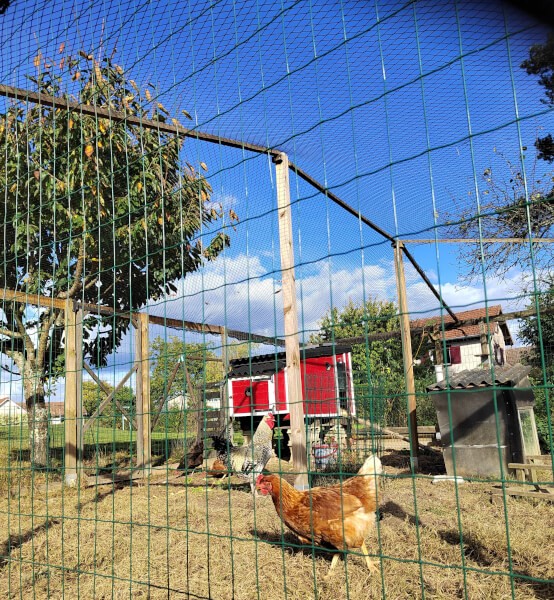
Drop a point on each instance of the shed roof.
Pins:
(266, 364)
(467, 331)
(511, 375)
(56, 409)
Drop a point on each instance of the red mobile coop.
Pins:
(258, 384)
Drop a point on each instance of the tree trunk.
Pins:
(37, 415)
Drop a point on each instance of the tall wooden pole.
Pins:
(73, 405)
(407, 351)
(292, 347)
(225, 361)
(144, 449)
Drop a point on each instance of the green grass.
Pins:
(16, 437)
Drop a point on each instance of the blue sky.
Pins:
(375, 99)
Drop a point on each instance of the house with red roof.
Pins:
(467, 346)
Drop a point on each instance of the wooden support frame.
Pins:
(290, 310)
(73, 410)
(160, 404)
(143, 409)
(111, 395)
(407, 351)
(108, 398)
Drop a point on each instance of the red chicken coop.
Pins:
(258, 384)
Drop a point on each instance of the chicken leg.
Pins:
(371, 564)
(333, 565)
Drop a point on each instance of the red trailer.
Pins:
(258, 384)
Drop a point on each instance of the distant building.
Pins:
(10, 411)
(180, 402)
(56, 412)
(467, 347)
(520, 355)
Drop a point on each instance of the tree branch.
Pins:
(44, 336)
(77, 283)
(25, 336)
(9, 333)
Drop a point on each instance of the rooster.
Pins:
(245, 461)
(339, 516)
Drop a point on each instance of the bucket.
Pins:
(324, 454)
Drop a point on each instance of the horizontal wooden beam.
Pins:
(477, 241)
(423, 275)
(60, 303)
(326, 192)
(115, 115)
(395, 333)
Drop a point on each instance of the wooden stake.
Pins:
(292, 348)
(224, 409)
(407, 350)
(144, 458)
(79, 317)
(70, 408)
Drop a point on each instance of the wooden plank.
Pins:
(290, 310)
(161, 401)
(338, 201)
(422, 430)
(433, 289)
(407, 351)
(79, 318)
(542, 494)
(106, 390)
(114, 115)
(95, 480)
(506, 240)
(60, 303)
(144, 447)
(70, 408)
(529, 466)
(108, 399)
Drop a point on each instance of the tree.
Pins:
(540, 335)
(512, 208)
(541, 339)
(93, 209)
(516, 208)
(93, 395)
(167, 354)
(377, 362)
(541, 62)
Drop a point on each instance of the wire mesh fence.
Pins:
(277, 311)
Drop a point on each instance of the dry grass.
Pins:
(173, 540)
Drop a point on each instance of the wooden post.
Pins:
(225, 361)
(79, 317)
(144, 458)
(292, 347)
(72, 405)
(407, 350)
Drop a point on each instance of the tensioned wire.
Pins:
(536, 288)
(484, 280)
(328, 236)
(329, 264)
(401, 257)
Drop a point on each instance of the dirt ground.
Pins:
(187, 538)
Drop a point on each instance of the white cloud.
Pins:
(244, 294)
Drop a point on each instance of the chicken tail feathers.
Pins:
(220, 444)
(371, 466)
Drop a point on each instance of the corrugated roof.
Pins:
(467, 331)
(511, 375)
(265, 364)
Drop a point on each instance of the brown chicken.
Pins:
(340, 516)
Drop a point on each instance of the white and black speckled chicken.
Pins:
(245, 461)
